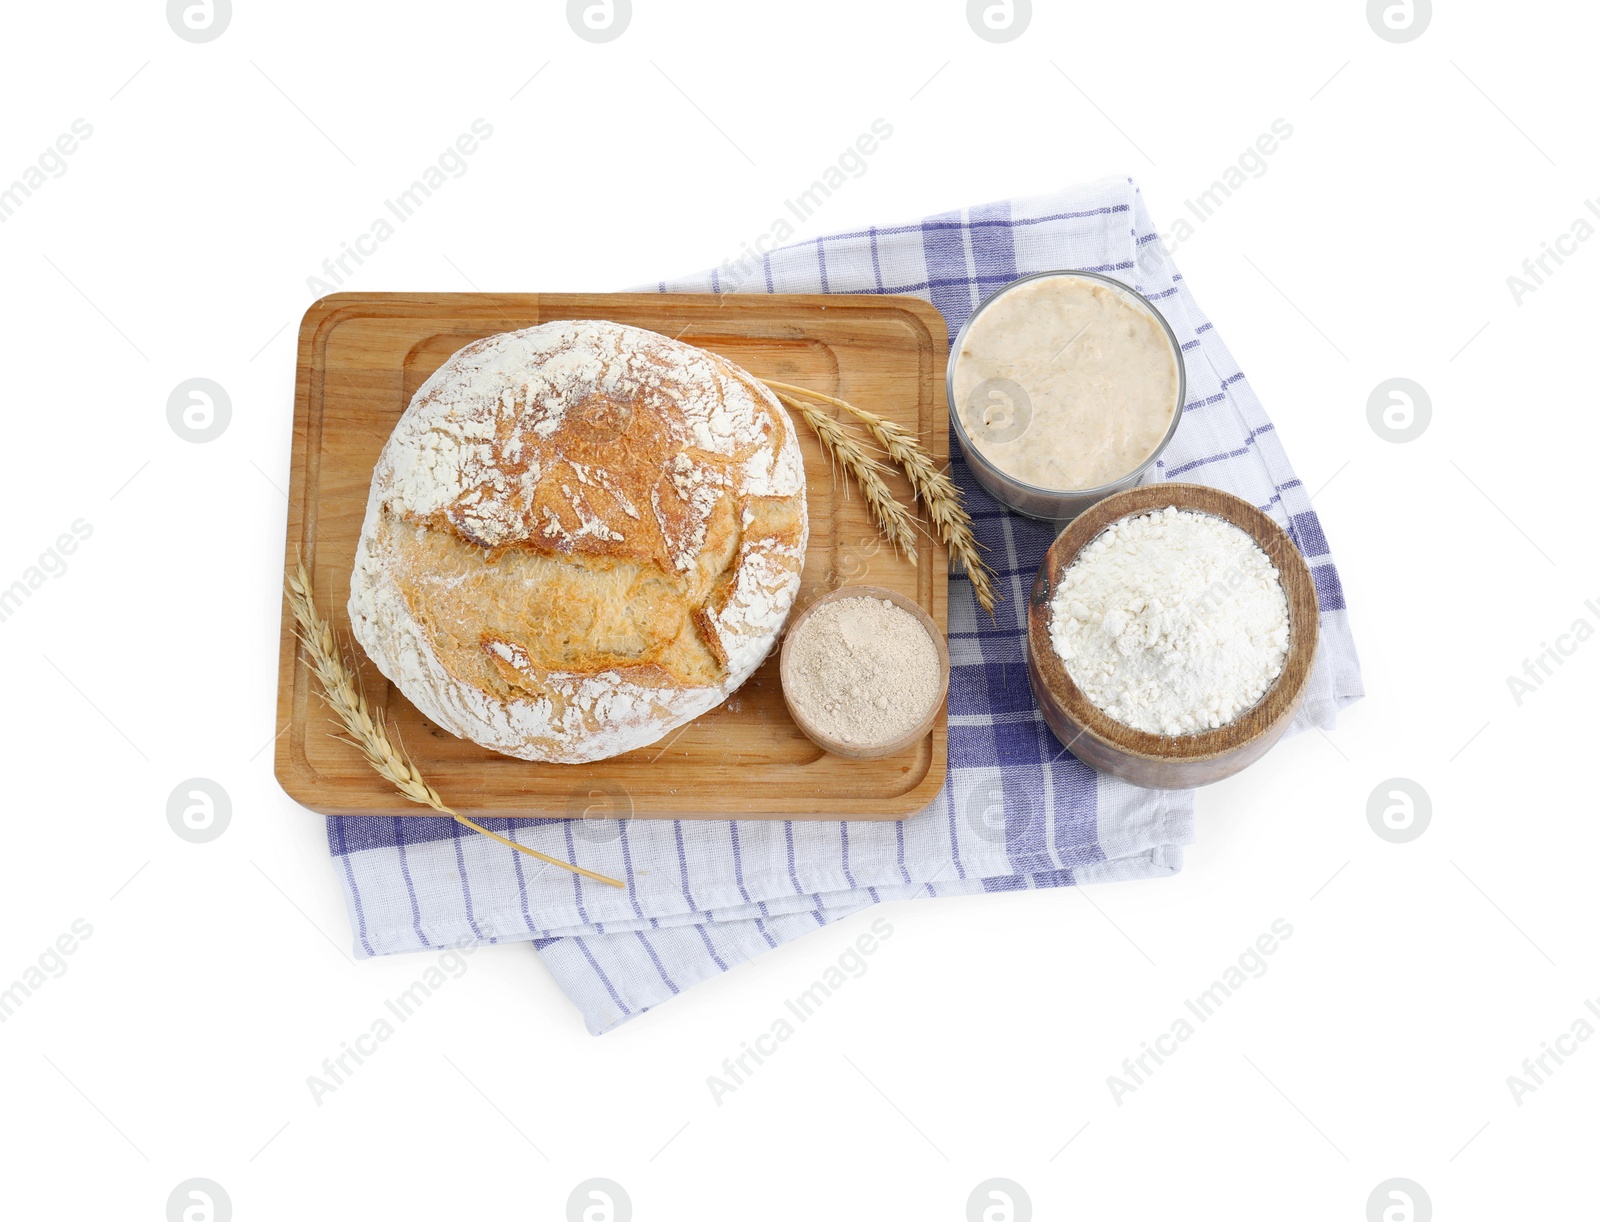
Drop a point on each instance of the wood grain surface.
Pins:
(361, 358)
(1160, 761)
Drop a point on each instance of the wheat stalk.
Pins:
(946, 507)
(364, 728)
(893, 518)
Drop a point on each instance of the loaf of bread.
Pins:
(579, 537)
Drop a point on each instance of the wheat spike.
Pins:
(946, 507)
(893, 518)
(365, 730)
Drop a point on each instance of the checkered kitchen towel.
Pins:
(1016, 811)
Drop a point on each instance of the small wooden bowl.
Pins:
(1159, 761)
(856, 751)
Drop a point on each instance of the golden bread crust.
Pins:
(579, 536)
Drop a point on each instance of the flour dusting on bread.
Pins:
(579, 537)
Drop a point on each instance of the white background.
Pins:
(178, 243)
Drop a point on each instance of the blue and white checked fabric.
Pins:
(1016, 812)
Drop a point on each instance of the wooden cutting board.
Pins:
(363, 355)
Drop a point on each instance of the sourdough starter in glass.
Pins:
(1097, 376)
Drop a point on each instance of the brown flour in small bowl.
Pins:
(863, 671)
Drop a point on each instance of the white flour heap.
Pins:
(1173, 622)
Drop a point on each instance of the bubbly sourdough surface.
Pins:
(579, 537)
(1098, 381)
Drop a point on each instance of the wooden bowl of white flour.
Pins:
(1171, 630)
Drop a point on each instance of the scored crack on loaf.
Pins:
(579, 537)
